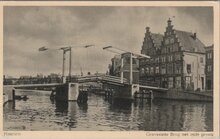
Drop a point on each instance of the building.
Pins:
(209, 67)
(117, 67)
(177, 59)
(8, 80)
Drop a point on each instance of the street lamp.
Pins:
(132, 55)
(65, 49)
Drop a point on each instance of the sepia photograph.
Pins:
(108, 68)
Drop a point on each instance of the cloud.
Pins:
(28, 28)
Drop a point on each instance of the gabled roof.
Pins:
(157, 38)
(188, 42)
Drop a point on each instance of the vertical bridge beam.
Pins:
(122, 72)
(73, 91)
(131, 67)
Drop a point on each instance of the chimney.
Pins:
(169, 22)
(194, 36)
(148, 29)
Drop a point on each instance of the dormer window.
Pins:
(194, 49)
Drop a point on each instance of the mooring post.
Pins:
(151, 95)
(11, 95)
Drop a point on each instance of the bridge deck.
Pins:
(92, 78)
(33, 85)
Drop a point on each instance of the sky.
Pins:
(26, 29)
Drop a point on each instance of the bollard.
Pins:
(151, 94)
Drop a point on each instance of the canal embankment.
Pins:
(185, 95)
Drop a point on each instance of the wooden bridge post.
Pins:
(10, 98)
(122, 72)
(63, 79)
(73, 91)
(11, 95)
(151, 95)
(134, 89)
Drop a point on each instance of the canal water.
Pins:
(39, 113)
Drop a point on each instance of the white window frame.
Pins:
(157, 70)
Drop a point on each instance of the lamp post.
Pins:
(132, 55)
(65, 49)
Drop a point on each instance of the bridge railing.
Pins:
(114, 79)
(106, 78)
(149, 83)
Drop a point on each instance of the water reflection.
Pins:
(83, 107)
(61, 107)
(39, 113)
(164, 115)
(121, 105)
(70, 111)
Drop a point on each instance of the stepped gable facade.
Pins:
(177, 59)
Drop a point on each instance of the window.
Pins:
(147, 70)
(188, 81)
(166, 41)
(177, 57)
(142, 70)
(171, 49)
(209, 68)
(127, 59)
(170, 69)
(194, 49)
(163, 59)
(188, 68)
(178, 82)
(170, 82)
(152, 70)
(157, 60)
(157, 70)
(152, 60)
(209, 55)
(178, 69)
(163, 70)
(170, 58)
(172, 40)
(201, 59)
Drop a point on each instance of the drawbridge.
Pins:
(119, 86)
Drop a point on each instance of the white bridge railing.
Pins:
(106, 78)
